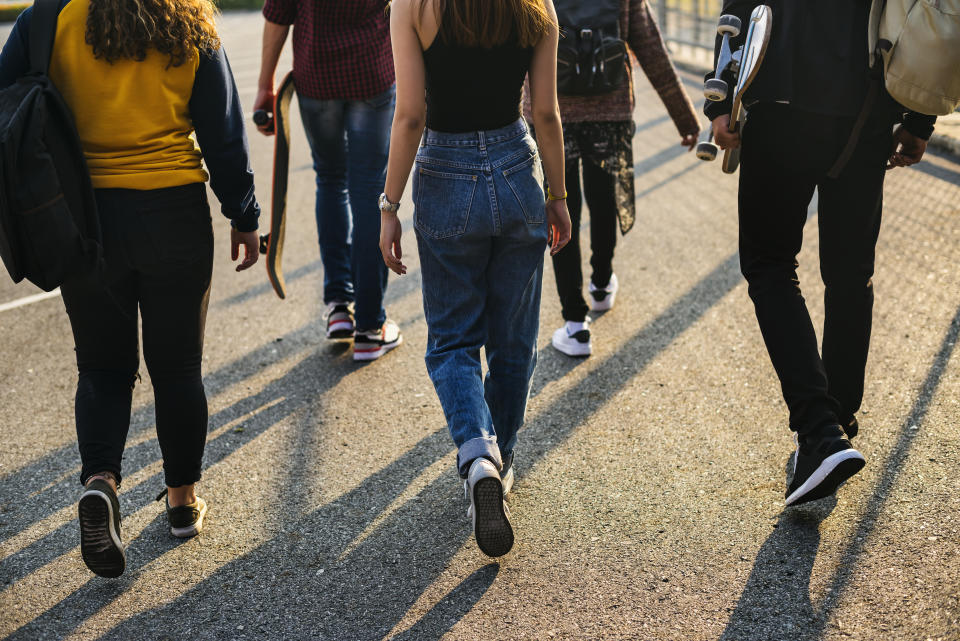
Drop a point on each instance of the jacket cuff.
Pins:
(919, 125)
(714, 109)
(248, 221)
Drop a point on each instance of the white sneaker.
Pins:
(602, 298)
(573, 339)
(339, 319)
(369, 346)
(507, 480)
(490, 514)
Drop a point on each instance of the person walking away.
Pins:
(812, 90)
(343, 73)
(161, 75)
(480, 218)
(598, 145)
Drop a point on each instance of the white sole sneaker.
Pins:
(604, 302)
(569, 345)
(829, 475)
(490, 515)
(339, 319)
(194, 528)
(339, 330)
(373, 352)
(100, 545)
(507, 481)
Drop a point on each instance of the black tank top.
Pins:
(473, 88)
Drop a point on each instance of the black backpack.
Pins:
(591, 57)
(49, 228)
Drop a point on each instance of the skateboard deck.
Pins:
(272, 243)
(751, 56)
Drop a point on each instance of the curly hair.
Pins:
(127, 29)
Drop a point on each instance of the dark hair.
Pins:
(488, 23)
(126, 29)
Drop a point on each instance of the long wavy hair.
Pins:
(488, 23)
(127, 29)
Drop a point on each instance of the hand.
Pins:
(390, 232)
(264, 101)
(559, 220)
(907, 149)
(251, 247)
(690, 141)
(725, 138)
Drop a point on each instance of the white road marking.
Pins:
(27, 300)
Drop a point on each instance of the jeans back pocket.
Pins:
(442, 202)
(525, 180)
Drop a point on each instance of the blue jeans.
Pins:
(349, 140)
(481, 233)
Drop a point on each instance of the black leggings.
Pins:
(159, 255)
(599, 192)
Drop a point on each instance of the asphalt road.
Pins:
(650, 476)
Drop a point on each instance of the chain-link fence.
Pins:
(691, 23)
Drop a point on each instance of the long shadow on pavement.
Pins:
(16, 515)
(55, 496)
(283, 397)
(323, 576)
(451, 608)
(775, 604)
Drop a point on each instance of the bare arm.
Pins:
(409, 119)
(544, 107)
(274, 37)
(546, 122)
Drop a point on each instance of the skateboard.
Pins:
(272, 243)
(744, 63)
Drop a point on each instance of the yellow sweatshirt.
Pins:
(133, 117)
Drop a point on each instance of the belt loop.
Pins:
(482, 140)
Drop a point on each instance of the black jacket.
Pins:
(817, 61)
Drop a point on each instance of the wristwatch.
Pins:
(386, 205)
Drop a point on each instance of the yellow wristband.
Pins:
(553, 196)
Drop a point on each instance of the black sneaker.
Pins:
(185, 520)
(850, 427)
(100, 546)
(824, 460)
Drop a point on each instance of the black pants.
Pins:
(786, 155)
(159, 255)
(598, 148)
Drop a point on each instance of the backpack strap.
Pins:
(873, 92)
(43, 29)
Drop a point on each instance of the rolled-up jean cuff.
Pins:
(485, 446)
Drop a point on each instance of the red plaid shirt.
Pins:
(341, 48)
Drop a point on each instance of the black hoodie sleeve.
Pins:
(218, 121)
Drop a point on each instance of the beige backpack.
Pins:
(919, 42)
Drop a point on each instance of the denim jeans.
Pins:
(481, 232)
(158, 246)
(349, 140)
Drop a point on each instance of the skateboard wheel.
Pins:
(729, 25)
(715, 90)
(260, 117)
(264, 243)
(707, 151)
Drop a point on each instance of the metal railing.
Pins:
(688, 22)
